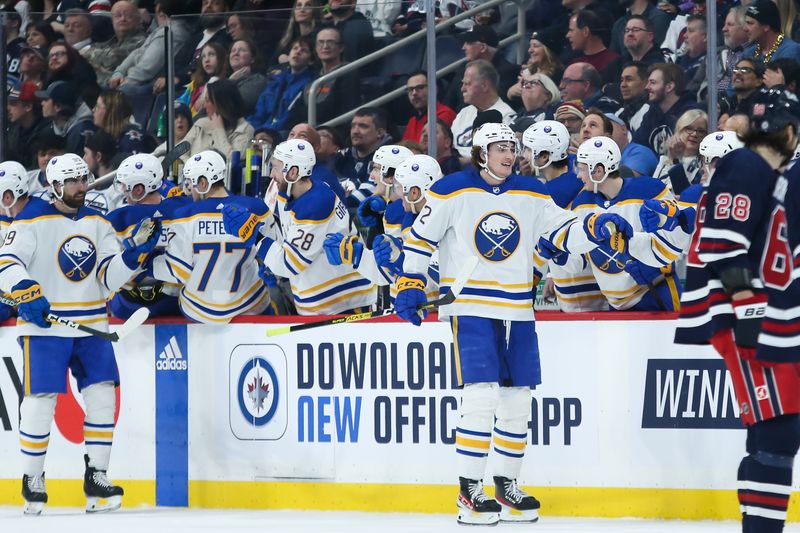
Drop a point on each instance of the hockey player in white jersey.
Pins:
(74, 281)
(384, 163)
(218, 272)
(642, 277)
(308, 211)
(500, 215)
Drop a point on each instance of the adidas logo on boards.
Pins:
(171, 357)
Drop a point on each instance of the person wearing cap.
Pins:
(571, 114)
(539, 96)
(33, 65)
(26, 122)
(72, 119)
(481, 43)
(763, 29)
(128, 36)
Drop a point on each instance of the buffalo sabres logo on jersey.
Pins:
(607, 260)
(77, 257)
(497, 236)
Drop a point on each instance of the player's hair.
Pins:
(671, 73)
(475, 157)
(777, 140)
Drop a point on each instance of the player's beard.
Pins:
(74, 201)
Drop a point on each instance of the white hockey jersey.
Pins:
(77, 277)
(219, 273)
(658, 250)
(318, 287)
(500, 224)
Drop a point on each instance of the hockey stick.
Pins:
(455, 289)
(166, 163)
(135, 320)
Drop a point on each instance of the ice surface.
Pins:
(172, 520)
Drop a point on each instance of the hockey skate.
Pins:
(517, 505)
(34, 493)
(101, 494)
(475, 508)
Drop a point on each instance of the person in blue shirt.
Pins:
(764, 35)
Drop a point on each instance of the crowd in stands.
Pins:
(88, 77)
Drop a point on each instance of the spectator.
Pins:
(738, 122)
(539, 95)
(763, 28)
(113, 115)
(136, 75)
(417, 90)
(14, 43)
(782, 73)
(33, 65)
(789, 15)
(734, 35)
(40, 33)
(305, 20)
(283, 89)
(367, 133)
(78, 29)
(479, 88)
(648, 15)
(587, 35)
(481, 43)
(98, 152)
(71, 118)
(333, 97)
(447, 157)
(320, 172)
(355, 30)
(638, 42)
(571, 114)
(380, 15)
(212, 22)
(541, 59)
(246, 69)
(240, 27)
(223, 128)
(632, 84)
(694, 55)
(105, 57)
(181, 126)
(665, 88)
(640, 160)
(25, 123)
(595, 124)
(330, 142)
(747, 82)
(45, 146)
(581, 81)
(65, 64)
(683, 150)
(213, 65)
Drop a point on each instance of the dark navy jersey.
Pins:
(564, 188)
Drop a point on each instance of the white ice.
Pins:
(172, 520)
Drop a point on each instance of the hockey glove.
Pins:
(143, 240)
(608, 228)
(410, 294)
(370, 209)
(32, 306)
(388, 252)
(239, 221)
(661, 214)
(267, 276)
(343, 250)
(641, 273)
(749, 312)
(548, 250)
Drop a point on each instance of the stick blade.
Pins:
(136, 319)
(278, 331)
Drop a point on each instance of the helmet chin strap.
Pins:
(595, 182)
(286, 169)
(485, 166)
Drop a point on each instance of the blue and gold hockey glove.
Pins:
(343, 250)
(608, 228)
(370, 209)
(239, 221)
(142, 241)
(410, 294)
(267, 276)
(641, 273)
(388, 252)
(749, 313)
(660, 214)
(548, 250)
(32, 306)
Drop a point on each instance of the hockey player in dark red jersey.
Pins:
(742, 298)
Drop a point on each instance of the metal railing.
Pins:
(421, 34)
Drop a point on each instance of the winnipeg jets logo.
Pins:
(497, 236)
(77, 257)
(258, 391)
